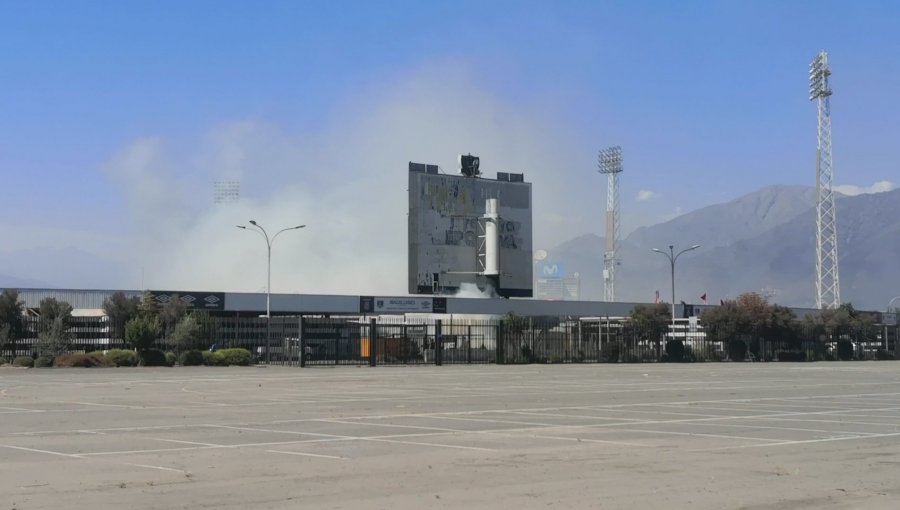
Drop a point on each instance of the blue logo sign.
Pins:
(551, 270)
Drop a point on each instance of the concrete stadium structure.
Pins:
(90, 302)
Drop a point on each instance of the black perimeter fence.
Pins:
(315, 341)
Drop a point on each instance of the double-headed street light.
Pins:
(891, 304)
(672, 256)
(256, 227)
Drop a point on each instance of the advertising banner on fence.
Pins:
(387, 305)
(201, 300)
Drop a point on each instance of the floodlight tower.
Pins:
(609, 162)
(828, 291)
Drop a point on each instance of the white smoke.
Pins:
(346, 181)
(471, 290)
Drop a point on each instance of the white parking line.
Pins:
(35, 450)
(586, 440)
(807, 441)
(698, 434)
(429, 444)
(304, 454)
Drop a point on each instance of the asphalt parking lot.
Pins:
(817, 435)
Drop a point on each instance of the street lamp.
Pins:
(890, 306)
(672, 256)
(259, 229)
(889, 310)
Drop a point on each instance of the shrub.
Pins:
(791, 356)
(737, 350)
(192, 358)
(213, 359)
(152, 358)
(240, 357)
(527, 354)
(611, 353)
(171, 358)
(122, 357)
(80, 360)
(23, 361)
(43, 361)
(885, 355)
(845, 350)
(675, 351)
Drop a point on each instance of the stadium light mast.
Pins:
(609, 162)
(828, 290)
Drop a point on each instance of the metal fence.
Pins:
(318, 341)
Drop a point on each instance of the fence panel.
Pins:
(412, 341)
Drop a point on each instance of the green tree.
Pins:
(726, 322)
(119, 310)
(141, 333)
(187, 334)
(12, 322)
(171, 312)
(149, 307)
(53, 337)
(737, 321)
(843, 324)
(651, 322)
(514, 323)
(51, 308)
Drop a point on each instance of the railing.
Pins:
(316, 341)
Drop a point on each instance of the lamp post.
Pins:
(889, 309)
(262, 231)
(672, 256)
(890, 306)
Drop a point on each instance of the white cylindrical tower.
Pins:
(491, 237)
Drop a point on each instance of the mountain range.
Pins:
(762, 242)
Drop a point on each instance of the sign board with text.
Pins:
(388, 305)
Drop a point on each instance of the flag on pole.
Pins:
(657, 297)
(703, 297)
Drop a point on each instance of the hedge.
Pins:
(236, 356)
(43, 362)
(23, 361)
(192, 358)
(213, 359)
(81, 360)
(122, 357)
(153, 358)
(675, 351)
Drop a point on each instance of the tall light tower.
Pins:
(609, 162)
(828, 290)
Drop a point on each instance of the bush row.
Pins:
(149, 358)
(220, 358)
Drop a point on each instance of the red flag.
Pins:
(657, 297)
(703, 297)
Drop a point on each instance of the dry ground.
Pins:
(699, 436)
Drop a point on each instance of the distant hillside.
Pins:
(764, 240)
(59, 268)
(7, 281)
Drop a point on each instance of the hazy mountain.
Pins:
(21, 283)
(724, 224)
(59, 268)
(764, 241)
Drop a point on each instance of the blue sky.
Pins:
(117, 116)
